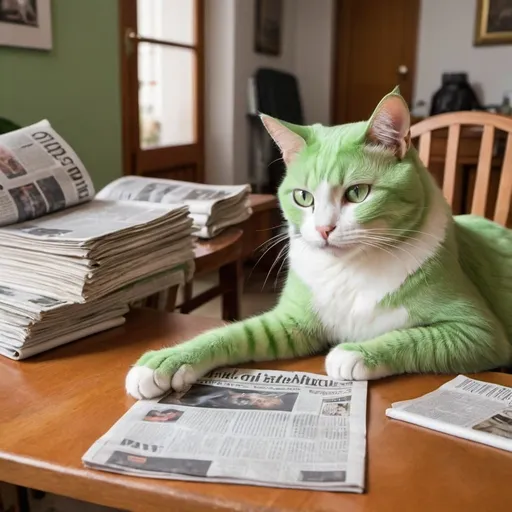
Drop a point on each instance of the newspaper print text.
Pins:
(57, 151)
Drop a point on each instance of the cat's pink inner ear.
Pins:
(390, 125)
(288, 141)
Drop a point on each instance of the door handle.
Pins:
(403, 70)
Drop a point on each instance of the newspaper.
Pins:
(95, 248)
(32, 323)
(258, 427)
(212, 207)
(71, 263)
(463, 407)
(39, 174)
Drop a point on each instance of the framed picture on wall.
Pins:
(26, 24)
(268, 26)
(493, 22)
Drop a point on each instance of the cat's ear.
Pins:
(390, 124)
(290, 138)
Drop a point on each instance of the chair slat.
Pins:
(424, 147)
(490, 123)
(450, 166)
(483, 172)
(505, 189)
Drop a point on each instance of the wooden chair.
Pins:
(488, 123)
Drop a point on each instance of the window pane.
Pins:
(166, 95)
(168, 20)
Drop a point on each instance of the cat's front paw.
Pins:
(349, 365)
(159, 372)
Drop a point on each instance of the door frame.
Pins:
(342, 38)
(129, 104)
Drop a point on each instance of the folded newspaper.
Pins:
(463, 407)
(31, 323)
(256, 427)
(212, 208)
(59, 245)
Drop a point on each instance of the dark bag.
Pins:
(455, 95)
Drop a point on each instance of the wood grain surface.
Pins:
(54, 406)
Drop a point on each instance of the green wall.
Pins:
(76, 86)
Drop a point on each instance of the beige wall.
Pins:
(446, 44)
(231, 60)
(314, 57)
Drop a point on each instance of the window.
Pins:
(162, 78)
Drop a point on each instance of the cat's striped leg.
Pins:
(277, 334)
(446, 347)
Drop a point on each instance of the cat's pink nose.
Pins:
(325, 231)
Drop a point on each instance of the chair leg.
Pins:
(172, 293)
(231, 282)
(23, 501)
(188, 291)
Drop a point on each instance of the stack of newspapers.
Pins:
(72, 263)
(213, 208)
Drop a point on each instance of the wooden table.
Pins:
(226, 254)
(54, 406)
(222, 253)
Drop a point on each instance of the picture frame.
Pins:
(493, 24)
(268, 27)
(26, 24)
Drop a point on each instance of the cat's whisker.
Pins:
(283, 225)
(387, 231)
(379, 246)
(274, 161)
(280, 268)
(395, 241)
(376, 246)
(418, 263)
(282, 239)
(275, 242)
(282, 236)
(391, 241)
(272, 267)
(396, 230)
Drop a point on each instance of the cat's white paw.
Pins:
(144, 383)
(349, 365)
(184, 377)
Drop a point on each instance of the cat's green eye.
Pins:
(303, 198)
(357, 193)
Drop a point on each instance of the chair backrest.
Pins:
(278, 94)
(490, 122)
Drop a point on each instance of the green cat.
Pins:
(380, 271)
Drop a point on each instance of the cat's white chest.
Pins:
(346, 294)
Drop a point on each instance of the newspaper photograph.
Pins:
(39, 174)
(242, 426)
(463, 407)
